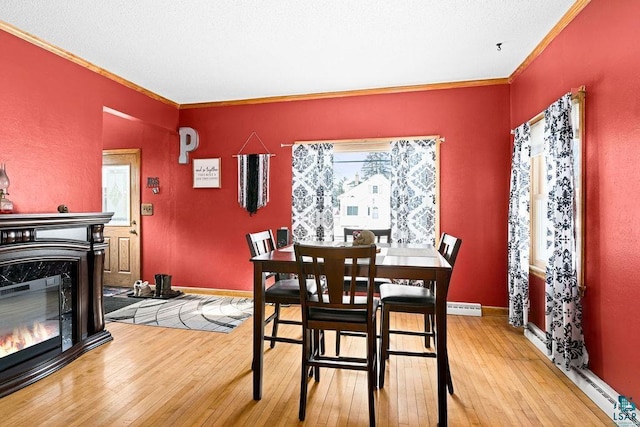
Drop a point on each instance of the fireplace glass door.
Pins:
(33, 315)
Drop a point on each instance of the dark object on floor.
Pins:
(142, 289)
(116, 303)
(163, 287)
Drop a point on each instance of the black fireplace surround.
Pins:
(51, 312)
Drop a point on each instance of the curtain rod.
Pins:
(364, 141)
(576, 93)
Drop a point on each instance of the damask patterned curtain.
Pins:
(312, 216)
(519, 227)
(413, 191)
(564, 335)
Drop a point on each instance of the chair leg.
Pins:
(384, 345)
(427, 329)
(306, 349)
(276, 320)
(449, 380)
(338, 336)
(372, 407)
(316, 350)
(372, 377)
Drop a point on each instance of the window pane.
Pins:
(540, 251)
(361, 191)
(115, 193)
(537, 138)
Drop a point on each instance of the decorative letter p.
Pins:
(188, 142)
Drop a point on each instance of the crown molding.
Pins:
(83, 63)
(347, 93)
(573, 11)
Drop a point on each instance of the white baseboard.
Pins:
(605, 397)
(464, 308)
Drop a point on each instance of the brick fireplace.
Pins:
(51, 310)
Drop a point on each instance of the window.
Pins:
(361, 179)
(538, 253)
(360, 170)
(538, 250)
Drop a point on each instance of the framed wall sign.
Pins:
(206, 173)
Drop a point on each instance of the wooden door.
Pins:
(121, 195)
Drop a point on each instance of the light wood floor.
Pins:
(151, 376)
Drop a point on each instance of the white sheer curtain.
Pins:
(312, 186)
(519, 227)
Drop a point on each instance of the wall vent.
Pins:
(464, 308)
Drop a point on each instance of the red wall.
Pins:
(600, 50)
(51, 127)
(474, 173)
(159, 153)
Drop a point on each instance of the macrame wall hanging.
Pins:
(253, 177)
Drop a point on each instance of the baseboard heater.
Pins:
(617, 407)
(464, 308)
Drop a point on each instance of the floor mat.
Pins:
(109, 291)
(114, 303)
(198, 312)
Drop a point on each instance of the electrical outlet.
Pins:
(146, 209)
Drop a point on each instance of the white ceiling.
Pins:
(191, 51)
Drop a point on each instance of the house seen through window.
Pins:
(361, 193)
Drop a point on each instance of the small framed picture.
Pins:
(206, 173)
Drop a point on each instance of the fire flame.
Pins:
(24, 337)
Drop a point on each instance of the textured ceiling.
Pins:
(192, 51)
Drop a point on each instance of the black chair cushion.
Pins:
(347, 316)
(288, 288)
(392, 293)
(361, 284)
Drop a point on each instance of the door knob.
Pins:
(133, 231)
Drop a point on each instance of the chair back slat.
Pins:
(260, 242)
(326, 264)
(449, 247)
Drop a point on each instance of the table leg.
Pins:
(258, 329)
(442, 285)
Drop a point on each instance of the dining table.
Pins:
(413, 261)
